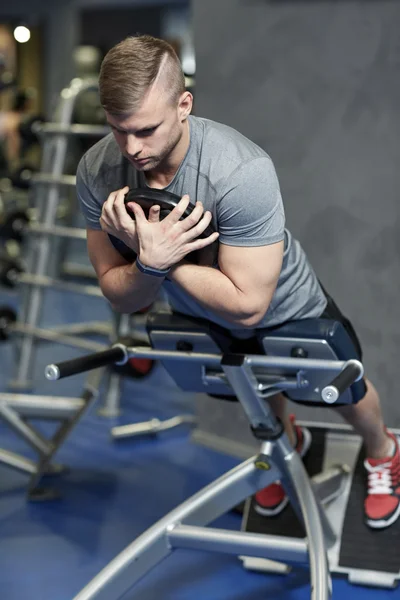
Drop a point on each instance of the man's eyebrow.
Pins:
(141, 130)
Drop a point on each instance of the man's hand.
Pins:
(117, 222)
(162, 244)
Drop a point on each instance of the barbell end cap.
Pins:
(125, 357)
(52, 372)
(330, 394)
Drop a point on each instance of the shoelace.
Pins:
(379, 478)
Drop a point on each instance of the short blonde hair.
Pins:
(131, 67)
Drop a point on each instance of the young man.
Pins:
(261, 277)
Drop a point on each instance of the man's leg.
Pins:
(366, 419)
(382, 465)
(382, 504)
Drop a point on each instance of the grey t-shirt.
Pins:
(236, 180)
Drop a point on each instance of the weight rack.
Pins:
(36, 276)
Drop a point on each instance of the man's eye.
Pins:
(147, 131)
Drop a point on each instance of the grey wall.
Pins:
(317, 84)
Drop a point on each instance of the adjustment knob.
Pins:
(298, 352)
(183, 346)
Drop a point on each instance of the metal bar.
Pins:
(112, 397)
(77, 270)
(253, 360)
(45, 407)
(316, 529)
(273, 547)
(15, 461)
(62, 180)
(68, 232)
(150, 427)
(55, 336)
(75, 129)
(43, 281)
(31, 436)
(151, 547)
(90, 327)
(329, 484)
(40, 249)
(89, 395)
(244, 383)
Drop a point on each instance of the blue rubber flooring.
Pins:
(115, 490)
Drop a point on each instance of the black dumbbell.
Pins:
(28, 129)
(8, 316)
(22, 177)
(14, 225)
(10, 269)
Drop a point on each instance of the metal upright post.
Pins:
(40, 246)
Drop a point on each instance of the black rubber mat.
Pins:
(287, 523)
(363, 547)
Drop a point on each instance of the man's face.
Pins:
(148, 136)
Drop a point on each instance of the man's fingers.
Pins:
(119, 205)
(137, 210)
(109, 204)
(189, 222)
(154, 214)
(203, 242)
(196, 230)
(179, 210)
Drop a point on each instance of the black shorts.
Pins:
(253, 345)
(332, 311)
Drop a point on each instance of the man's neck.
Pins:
(165, 172)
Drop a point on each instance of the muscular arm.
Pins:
(243, 288)
(124, 286)
(250, 221)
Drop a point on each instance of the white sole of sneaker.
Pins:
(272, 512)
(382, 524)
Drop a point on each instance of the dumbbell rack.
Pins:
(41, 239)
(16, 409)
(38, 276)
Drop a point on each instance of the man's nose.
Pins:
(133, 146)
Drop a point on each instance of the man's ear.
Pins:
(185, 105)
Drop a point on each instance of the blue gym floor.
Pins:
(115, 490)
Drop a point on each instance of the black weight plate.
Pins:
(147, 197)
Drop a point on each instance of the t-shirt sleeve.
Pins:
(250, 211)
(90, 206)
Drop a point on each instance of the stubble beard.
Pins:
(156, 161)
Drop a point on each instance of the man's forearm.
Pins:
(128, 290)
(214, 290)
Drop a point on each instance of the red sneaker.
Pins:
(271, 500)
(382, 504)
